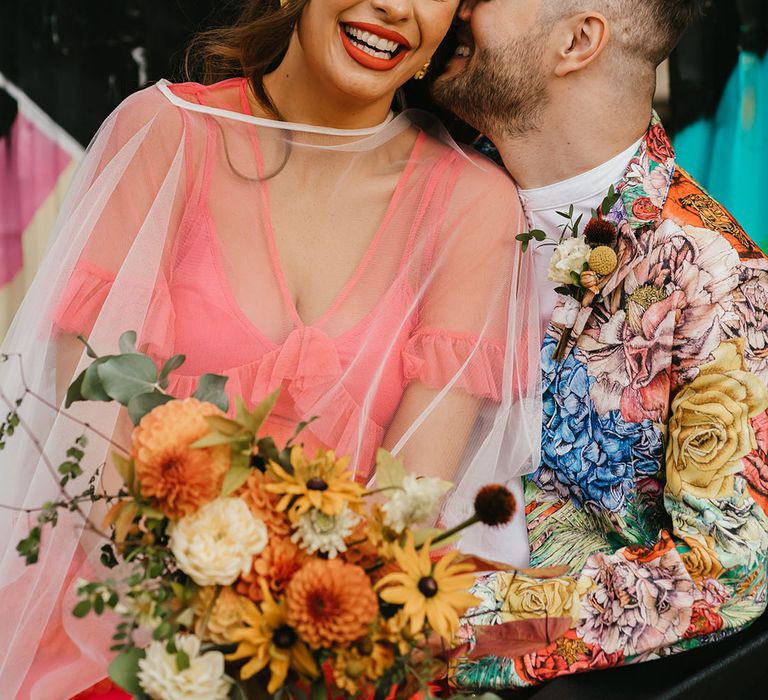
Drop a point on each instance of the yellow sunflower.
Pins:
(436, 591)
(268, 640)
(322, 483)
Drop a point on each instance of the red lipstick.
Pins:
(365, 59)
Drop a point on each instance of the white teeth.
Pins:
(463, 50)
(372, 44)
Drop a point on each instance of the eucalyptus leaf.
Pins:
(211, 389)
(75, 390)
(92, 388)
(525, 246)
(172, 364)
(126, 376)
(128, 342)
(124, 671)
(234, 479)
(140, 405)
(539, 235)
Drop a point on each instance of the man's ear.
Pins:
(584, 39)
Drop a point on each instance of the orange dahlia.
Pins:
(263, 504)
(276, 565)
(330, 602)
(178, 478)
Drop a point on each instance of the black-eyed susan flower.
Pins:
(435, 592)
(268, 640)
(323, 483)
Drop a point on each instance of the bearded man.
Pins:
(653, 487)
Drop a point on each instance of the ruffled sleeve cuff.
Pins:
(435, 357)
(83, 298)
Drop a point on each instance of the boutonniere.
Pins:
(582, 262)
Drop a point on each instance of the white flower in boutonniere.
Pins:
(581, 263)
(568, 260)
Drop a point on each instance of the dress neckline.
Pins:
(365, 260)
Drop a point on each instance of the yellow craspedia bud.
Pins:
(603, 260)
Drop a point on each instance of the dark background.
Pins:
(77, 58)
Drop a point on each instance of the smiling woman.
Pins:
(281, 227)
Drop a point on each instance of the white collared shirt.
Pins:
(586, 192)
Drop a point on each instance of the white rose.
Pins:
(215, 545)
(418, 499)
(203, 680)
(568, 257)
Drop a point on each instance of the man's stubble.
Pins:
(501, 91)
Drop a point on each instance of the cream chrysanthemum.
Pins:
(414, 502)
(318, 532)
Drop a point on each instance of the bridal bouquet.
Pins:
(248, 569)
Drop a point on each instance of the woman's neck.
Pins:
(303, 99)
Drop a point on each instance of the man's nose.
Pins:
(394, 10)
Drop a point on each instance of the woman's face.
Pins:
(367, 49)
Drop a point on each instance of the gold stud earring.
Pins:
(422, 72)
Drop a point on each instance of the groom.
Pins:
(653, 488)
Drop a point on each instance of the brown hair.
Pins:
(646, 29)
(252, 47)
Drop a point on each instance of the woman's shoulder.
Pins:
(473, 171)
(166, 101)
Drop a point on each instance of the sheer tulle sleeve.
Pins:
(129, 214)
(106, 271)
(433, 355)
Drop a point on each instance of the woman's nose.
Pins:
(394, 10)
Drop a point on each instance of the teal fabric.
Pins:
(729, 154)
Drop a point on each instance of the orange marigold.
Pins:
(178, 478)
(330, 602)
(263, 504)
(276, 565)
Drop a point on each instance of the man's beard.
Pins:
(501, 91)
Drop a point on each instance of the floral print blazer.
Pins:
(653, 488)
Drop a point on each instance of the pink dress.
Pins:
(426, 301)
(325, 368)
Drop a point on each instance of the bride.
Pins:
(278, 225)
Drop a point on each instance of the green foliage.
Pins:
(124, 671)
(526, 238)
(211, 389)
(29, 547)
(141, 404)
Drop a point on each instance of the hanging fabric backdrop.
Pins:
(64, 66)
(719, 103)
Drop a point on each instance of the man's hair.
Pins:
(646, 29)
